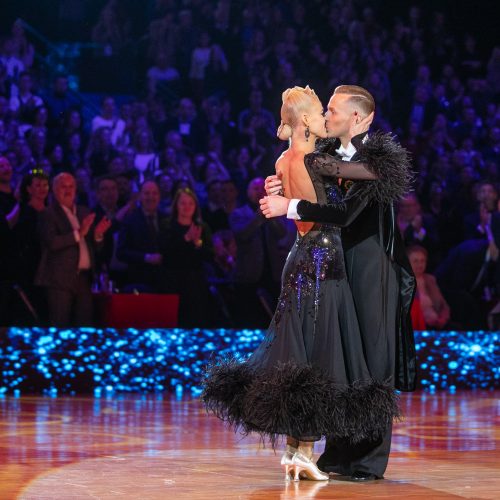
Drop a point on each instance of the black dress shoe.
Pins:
(360, 477)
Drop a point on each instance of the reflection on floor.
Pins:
(158, 447)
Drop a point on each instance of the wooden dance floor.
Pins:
(147, 447)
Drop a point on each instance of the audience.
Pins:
(205, 82)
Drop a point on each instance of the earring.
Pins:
(307, 133)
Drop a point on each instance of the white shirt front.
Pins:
(84, 258)
(346, 153)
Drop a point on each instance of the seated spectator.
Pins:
(206, 57)
(162, 75)
(218, 122)
(25, 102)
(256, 121)
(187, 124)
(221, 277)
(85, 195)
(100, 151)
(140, 243)
(72, 123)
(73, 152)
(109, 119)
(466, 278)
(188, 248)
(214, 213)
(38, 138)
(67, 262)
(225, 254)
(166, 184)
(475, 224)
(417, 228)
(146, 161)
(492, 150)
(431, 302)
(215, 169)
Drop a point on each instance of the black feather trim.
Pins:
(299, 401)
(225, 384)
(390, 162)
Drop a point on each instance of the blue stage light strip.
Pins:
(88, 360)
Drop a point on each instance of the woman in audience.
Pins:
(434, 308)
(23, 222)
(188, 249)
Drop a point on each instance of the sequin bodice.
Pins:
(317, 256)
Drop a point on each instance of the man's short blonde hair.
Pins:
(359, 97)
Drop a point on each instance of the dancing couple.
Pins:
(340, 341)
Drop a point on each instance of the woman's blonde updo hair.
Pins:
(295, 101)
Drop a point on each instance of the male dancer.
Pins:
(380, 275)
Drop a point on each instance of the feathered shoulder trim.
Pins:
(390, 162)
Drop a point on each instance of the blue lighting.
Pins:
(105, 361)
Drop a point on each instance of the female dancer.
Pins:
(306, 379)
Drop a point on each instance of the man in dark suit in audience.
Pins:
(67, 262)
(262, 250)
(140, 242)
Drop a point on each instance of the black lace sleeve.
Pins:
(326, 165)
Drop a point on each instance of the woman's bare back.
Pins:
(296, 182)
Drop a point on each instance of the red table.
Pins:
(143, 310)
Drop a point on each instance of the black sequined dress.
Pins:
(308, 378)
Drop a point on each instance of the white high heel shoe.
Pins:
(287, 460)
(300, 465)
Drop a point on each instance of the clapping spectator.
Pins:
(188, 248)
(434, 308)
(67, 262)
(476, 224)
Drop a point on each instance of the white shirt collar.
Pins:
(347, 152)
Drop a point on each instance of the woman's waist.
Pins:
(318, 231)
(319, 254)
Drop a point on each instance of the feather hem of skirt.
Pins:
(298, 400)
